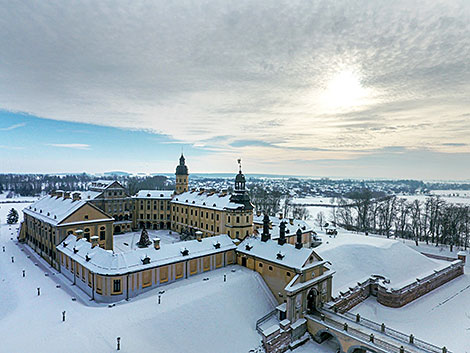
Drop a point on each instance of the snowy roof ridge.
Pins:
(206, 199)
(292, 257)
(53, 209)
(108, 263)
(154, 194)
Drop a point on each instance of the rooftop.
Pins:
(108, 263)
(53, 209)
(286, 255)
(206, 199)
(154, 194)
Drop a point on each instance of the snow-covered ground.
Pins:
(194, 316)
(356, 257)
(441, 317)
(127, 241)
(7, 206)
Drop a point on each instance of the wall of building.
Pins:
(101, 287)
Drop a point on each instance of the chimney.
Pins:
(258, 213)
(282, 233)
(156, 243)
(94, 241)
(265, 236)
(298, 244)
(79, 233)
(199, 235)
(281, 216)
(76, 196)
(66, 194)
(291, 221)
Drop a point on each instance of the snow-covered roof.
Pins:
(154, 194)
(291, 229)
(102, 184)
(53, 209)
(107, 263)
(206, 199)
(286, 255)
(87, 195)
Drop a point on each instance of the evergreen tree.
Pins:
(12, 216)
(144, 239)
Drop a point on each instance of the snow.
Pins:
(5, 207)
(195, 315)
(127, 241)
(108, 263)
(206, 200)
(313, 347)
(291, 229)
(356, 257)
(53, 209)
(269, 250)
(154, 194)
(441, 317)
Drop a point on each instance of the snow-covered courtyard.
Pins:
(128, 241)
(195, 315)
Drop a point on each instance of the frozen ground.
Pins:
(356, 257)
(127, 241)
(441, 317)
(195, 315)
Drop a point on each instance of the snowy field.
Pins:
(441, 317)
(356, 257)
(127, 241)
(5, 207)
(195, 315)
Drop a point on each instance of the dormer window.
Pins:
(184, 252)
(194, 202)
(148, 195)
(161, 195)
(87, 258)
(75, 250)
(64, 244)
(280, 255)
(217, 245)
(248, 247)
(48, 214)
(214, 205)
(146, 260)
(203, 203)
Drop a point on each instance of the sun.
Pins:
(344, 91)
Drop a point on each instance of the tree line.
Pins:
(432, 220)
(37, 184)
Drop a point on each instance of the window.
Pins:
(260, 264)
(270, 268)
(238, 219)
(102, 235)
(228, 219)
(288, 274)
(247, 219)
(117, 285)
(217, 216)
(86, 216)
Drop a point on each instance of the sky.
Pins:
(318, 88)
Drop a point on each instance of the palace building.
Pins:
(111, 197)
(152, 209)
(50, 220)
(212, 212)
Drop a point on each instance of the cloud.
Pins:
(242, 70)
(12, 127)
(77, 146)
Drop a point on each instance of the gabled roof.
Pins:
(291, 229)
(54, 210)
(104, 184)
(107, 263)
(286, 255)
(154, 194)
(206, 199)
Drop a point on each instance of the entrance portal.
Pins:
(244, 261)
(312, 301)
